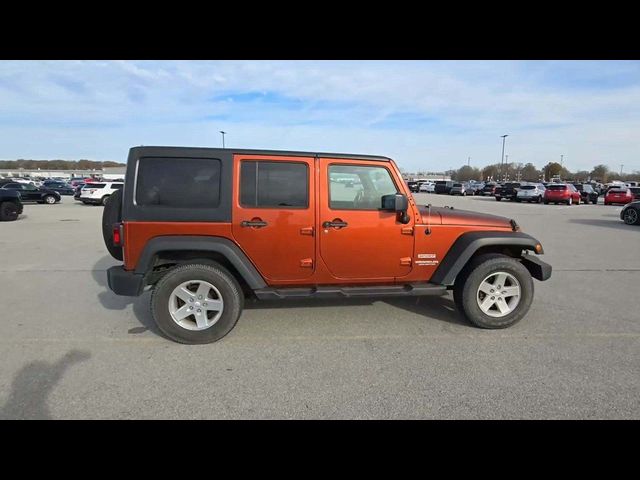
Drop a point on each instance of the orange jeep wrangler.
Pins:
(206, 227)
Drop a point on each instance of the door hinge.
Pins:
(407, 230)
(306, 231)
(405, 261)
(306, 263)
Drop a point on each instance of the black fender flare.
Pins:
(221, 245)
(468, 243)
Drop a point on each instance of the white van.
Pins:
(98, 193)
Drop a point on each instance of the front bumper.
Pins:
(537, 268)
(123, 282)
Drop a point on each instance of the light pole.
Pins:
(223, 134)
(504, 137)
(506, 167)
(621, 170)
(561, 160)
(468, 161)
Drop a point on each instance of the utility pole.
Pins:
(561, 159)
(468, 161)
(223, 134)
(621, 170)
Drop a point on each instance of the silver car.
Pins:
(458, 189)
(530, 193)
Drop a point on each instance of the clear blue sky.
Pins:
(426, 115)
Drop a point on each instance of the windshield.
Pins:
(556, 187)
(528, 187)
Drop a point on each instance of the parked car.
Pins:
(201, 227)
(530, 193)
(60, 187)
(443, 186)
(78, 190)
(630, 214)
(509, 191)
(561, 193)
(31, 193)
(618, 196)
(587, 193)
(413, 186)
(473, 188)
(427, 187)
(458, 189)
(488, 189)
(99, 193)
(10, 205)
(635, 191)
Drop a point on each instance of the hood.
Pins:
(449, 216)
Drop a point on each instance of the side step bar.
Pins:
(408, 290)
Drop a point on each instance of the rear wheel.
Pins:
(570, 201)
(197, 304)
(493, 291)
(498, 199)
(105, 200)
(8, 211)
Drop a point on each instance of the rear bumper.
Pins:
(123, 282)
(537, 268)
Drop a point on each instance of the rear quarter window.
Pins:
(178, 182)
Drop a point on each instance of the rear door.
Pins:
(274, 214)
(357, 239)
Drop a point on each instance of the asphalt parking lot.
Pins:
(72, 349)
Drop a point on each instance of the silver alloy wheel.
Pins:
(50, 200)
(630, 216)
(195, 305)
(498, 294)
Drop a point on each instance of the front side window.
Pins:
(357, 187)
(269, 184)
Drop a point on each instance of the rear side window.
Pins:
(117, 186)
(96, 185)
(178, 182)
(274, 184)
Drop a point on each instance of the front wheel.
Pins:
(196, 303)
(631, 217)
(493, 291)
(49, 199)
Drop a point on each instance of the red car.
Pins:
(618, 195)
(561, 193)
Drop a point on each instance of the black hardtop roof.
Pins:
(172, 150)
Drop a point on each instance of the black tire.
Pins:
(8, 211)
(469, 279)
(570, 201)
(111, 214)
(630, 218)
(216, 275)
(105, 200)
(46, 199)
(546, 203)
(498, 199)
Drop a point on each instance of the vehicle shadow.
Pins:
(617, 224)
(111, 301)
(33, 384)
(436, 308)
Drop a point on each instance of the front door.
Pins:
(357, 239)
(274, 214)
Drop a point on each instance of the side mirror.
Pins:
(396, 202)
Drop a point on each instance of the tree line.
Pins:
(529, 173)
(57, 164)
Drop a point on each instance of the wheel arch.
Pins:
(179, 249)
(471, 244)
